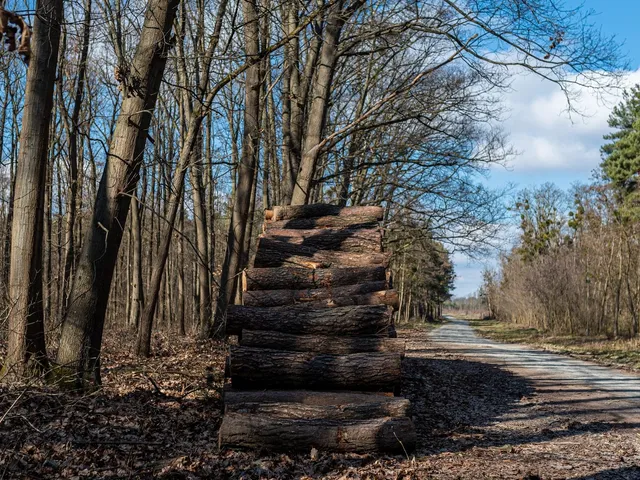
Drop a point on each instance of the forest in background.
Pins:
(574, 269)
(141, 145)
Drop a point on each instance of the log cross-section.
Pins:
(317, 363)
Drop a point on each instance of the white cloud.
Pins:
(550, 138)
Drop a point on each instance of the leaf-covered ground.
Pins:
(158, 418)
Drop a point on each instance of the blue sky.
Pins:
(552, 146)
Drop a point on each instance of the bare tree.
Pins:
(26, 348)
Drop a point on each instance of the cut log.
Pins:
(294, 278)
(300, 319)
(261, 368)
(396, 407)
(338, 239)
(384, 297)
(320, 343)
(356, 221)
(274, 253)
(274, 298)
(320, 210)
(279, 434)
(305, 397)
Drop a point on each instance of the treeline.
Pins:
(145, 139)
(576, 266)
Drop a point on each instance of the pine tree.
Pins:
(621, 155)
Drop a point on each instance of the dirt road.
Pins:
(489, 410)
(460, 336)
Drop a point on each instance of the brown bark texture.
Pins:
(264, 368)
(320, 343)
(360, 320)
(293, 278)
(278, 434)
(343, 239)
(274, 253)
(274, 298)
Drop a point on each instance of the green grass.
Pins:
(620, 353)
(420, 325)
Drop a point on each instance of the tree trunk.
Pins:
(289, 212)
(274, 298)
(273, 253)
(200, 218)
(301, 319)
(26, 341)
(352, 222)
(320, 93)
(143, 347)
(281, 434)
(137, 293)
(306, 397)
(81, 338)
(344, 239)
(320, 343)
(289, 278)
(261, 368)
(73, 124)
(246, 168)
(366, 407)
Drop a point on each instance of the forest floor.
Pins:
(618, 353)
(477, 417)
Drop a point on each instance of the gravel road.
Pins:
(459, 336)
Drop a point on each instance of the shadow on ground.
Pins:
(455, 401)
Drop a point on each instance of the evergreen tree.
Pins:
(621, 155)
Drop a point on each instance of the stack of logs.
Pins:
(317, 363)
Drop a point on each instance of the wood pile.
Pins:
(317, 364)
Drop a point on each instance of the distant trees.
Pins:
(588, 283)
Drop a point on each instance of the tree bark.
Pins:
(353, 222)
(289, 278)
(262, 368)
(320, 94)
(274, 298)
(81, 338)
(359, 320)
(73, 129)
(137, 291)
(376, 435)
(289, 212)
(384, 297)
(320, 343)
(344, 240)
(370, 406)
(273, 253)
(26, 341)
(305, 397)
(246, 168)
